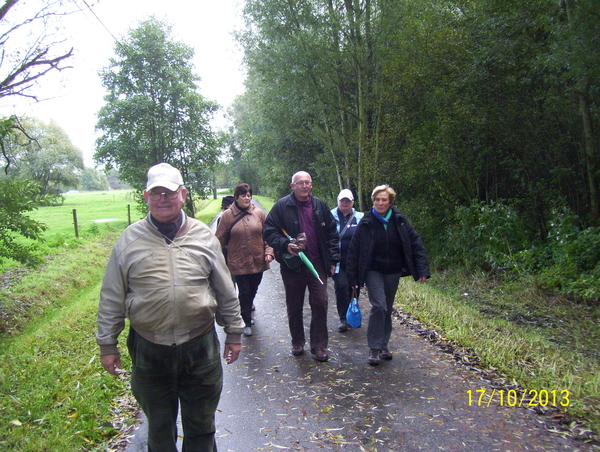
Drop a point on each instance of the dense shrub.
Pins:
(573, 267)
(17, 197)
(483, 236)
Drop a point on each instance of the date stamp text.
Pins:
(514, 398)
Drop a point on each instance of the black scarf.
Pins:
(168, 230)
(242, 209)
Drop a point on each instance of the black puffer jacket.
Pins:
(360, 253)
(284, 214)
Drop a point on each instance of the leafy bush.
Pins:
(574, 264)
(483, 236)
(16, 198)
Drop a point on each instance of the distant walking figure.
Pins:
(384, 247)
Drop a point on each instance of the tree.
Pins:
(458, 104)
(314, 79)
(92, 180)
(45, 155)
(29, 46)
(154, 112)
(577, 50)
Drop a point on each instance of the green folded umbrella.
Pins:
(305, 259)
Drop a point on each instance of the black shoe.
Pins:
(384, 353)
(343, 326)
(320, 355)
(297, 350)
(374, 357)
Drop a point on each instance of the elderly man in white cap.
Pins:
(346, 218)
(167, 274)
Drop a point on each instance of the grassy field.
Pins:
(93, 209)
(53, 394)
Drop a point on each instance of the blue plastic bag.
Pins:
(353, 315)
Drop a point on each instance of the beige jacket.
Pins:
(171, 293)
(246, 249)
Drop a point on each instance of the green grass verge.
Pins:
(524, 353)
(266, 203)
(54, 396)
(208, 209)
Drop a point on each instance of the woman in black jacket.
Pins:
(385, 247)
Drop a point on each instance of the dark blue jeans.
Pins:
(343, 292)
(382, 290)
(164, 377)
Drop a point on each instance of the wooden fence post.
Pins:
(75, 223)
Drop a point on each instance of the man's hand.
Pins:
(293, 249)
(111, 363)
(232, 352)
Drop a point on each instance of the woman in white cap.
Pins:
(346, 218)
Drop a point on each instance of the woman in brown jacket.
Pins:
(246, 253)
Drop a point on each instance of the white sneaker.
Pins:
(247, 331)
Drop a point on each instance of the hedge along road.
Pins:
(419, 401)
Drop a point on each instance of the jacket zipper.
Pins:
(171, 274)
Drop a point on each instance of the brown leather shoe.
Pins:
(320, 355)
(297, 350)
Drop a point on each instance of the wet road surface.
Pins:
(274, 401)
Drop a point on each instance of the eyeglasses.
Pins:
(303, 182)
(170, 195)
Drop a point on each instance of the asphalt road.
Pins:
(274, 401)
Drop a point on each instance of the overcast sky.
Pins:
(205, 25)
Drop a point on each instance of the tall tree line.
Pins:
(453, 103)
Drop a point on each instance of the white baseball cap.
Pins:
(164, 175)
(345, 193)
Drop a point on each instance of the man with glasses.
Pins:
(300, 212)
(167, 274)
